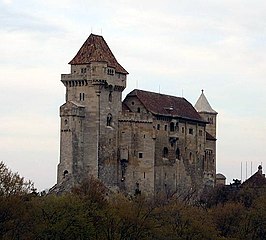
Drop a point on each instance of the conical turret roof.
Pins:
(202, 105)
(95, 49)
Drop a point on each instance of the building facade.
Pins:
(149, 142)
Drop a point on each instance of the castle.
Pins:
(149, 142)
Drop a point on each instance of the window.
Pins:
(65, 173)
(158, 126)
(183, 129)
(172, 127)
(144, 175)
(165, 127)
(177, 153)
(109, 119)
(190, 131)
(65, 121)
(165, 152)
(110, 71)
(110, 97)
(190, 156)
(140, 155)
(81, 96)
(138, 110)
(132, 103)
(83, 70)
(200, 132)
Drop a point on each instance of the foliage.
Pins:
(91, 211)
(12, 183)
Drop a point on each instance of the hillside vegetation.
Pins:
(91, 212)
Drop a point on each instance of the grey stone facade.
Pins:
(148, 143)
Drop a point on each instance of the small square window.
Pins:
(140, 155)
(190, 131)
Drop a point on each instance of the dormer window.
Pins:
(110, 71)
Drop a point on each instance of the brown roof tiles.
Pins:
(160, 104)
(95, 49)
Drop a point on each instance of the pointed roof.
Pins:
(165, 105)
(202, 105)
(95, 49)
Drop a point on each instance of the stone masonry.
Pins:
(148, 143)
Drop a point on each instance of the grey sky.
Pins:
(177, 46)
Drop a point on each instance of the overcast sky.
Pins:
(179, 47)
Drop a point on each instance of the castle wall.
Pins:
(136, 170)
(138, 150)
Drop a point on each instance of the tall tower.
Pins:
(210, 116)
(89, 118)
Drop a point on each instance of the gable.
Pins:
(165, 105)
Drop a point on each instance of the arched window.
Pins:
(177, 153)
(65, 173)
(110, 97)
(109, 119)
(172, 127)
(165, 152)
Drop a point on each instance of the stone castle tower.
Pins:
(148, 143)
(89, 118)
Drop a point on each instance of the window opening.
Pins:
(110, 97)
(109, 119)
(172, 127)
(165, 152)
(65, 173)
(177, 153)
(140, 155)
(190, 131)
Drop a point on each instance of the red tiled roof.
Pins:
(210, 137)
(95, 49)
(160, 104)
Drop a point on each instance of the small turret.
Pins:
(207, 113)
